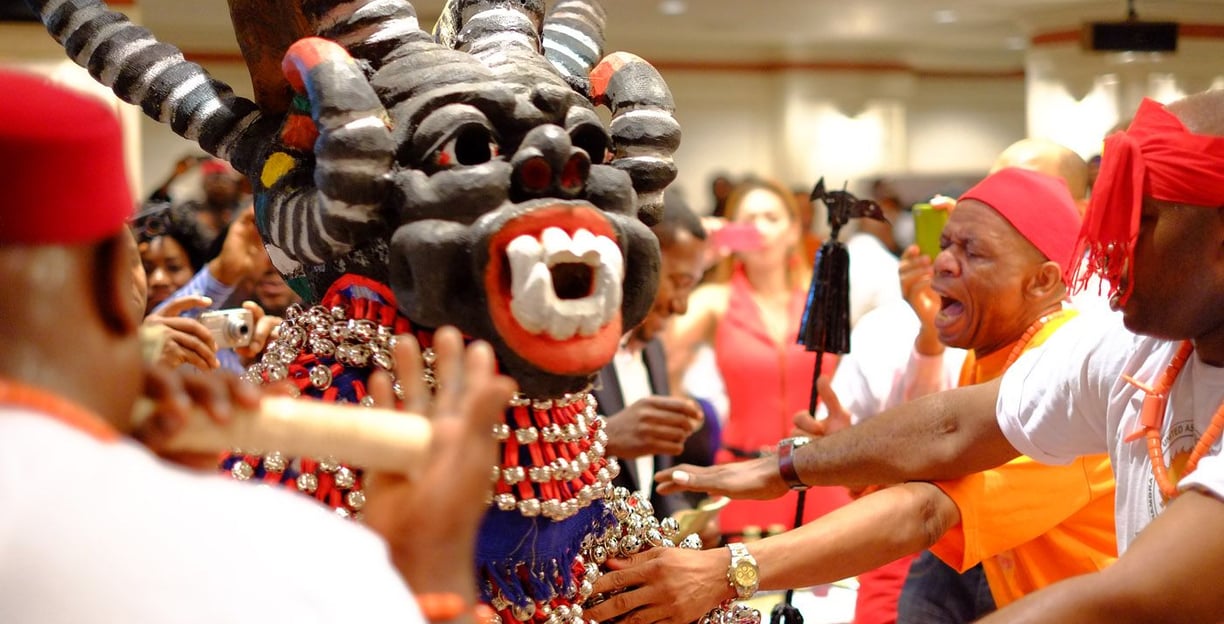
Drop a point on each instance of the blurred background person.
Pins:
(647, 427)
(750, 314)
(173, 248)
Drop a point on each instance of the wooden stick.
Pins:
(369, 438)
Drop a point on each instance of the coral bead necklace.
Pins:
(1151, 421)
(1026, 338)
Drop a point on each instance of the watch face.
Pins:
(745, 574)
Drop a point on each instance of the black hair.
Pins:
(178, 222)
(677, 216)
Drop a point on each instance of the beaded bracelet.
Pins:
(444, 607)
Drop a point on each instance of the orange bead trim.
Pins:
(444, 607)
(441, 607)
(57, 408)
(1151, 423)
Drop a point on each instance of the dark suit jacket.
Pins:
(611, 401)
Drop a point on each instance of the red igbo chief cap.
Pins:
(62, 179)
(1039, 206)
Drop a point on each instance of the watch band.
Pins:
(742, 573)
(786, 462)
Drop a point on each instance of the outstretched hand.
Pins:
(670, 585)
(430, 525)
(756, 479)
(836, 418)
(242, 252)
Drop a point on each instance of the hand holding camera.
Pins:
(229, 328)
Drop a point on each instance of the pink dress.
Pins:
(766, 384)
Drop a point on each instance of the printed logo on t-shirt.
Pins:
(1178, 443)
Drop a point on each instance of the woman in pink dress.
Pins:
(751, 317)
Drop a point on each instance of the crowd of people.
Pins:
(1027, 426)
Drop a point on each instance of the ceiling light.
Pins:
(673, 7)
(946, 16)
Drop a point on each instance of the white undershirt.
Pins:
(105, 532)
(635, 385)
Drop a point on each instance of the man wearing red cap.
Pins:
(1151, 394)
(1000, 290)
(94, 528)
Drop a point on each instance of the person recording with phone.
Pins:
(750, 315)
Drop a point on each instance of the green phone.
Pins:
(928, 226)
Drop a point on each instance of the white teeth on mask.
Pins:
(533, 301)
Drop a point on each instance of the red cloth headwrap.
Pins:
(62, 180)
(1158, 158)
(1039, 206)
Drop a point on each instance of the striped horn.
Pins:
(504, 35)
(353, 158)
(155, 76)
(645, 133)
(574, 40)
(369, 29)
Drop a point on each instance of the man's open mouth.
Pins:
(950, 306)
(950, 310)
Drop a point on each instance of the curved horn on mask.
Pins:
(155, 76)
(369, 29)
(504, 35)
(352, 159)
(574, 40)
(644, 132)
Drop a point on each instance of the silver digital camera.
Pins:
(230, 328)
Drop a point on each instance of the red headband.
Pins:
(61, 165)
(1158, 158)
(1039, 206)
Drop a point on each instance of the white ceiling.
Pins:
(933, 34)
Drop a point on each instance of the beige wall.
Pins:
(800, 125)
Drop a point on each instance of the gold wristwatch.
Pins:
(743, 573)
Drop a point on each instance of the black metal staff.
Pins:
(825, 326)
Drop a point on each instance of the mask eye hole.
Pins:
(471, 144)
(593, 140)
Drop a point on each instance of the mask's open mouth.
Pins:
(564, 283)
(555, 281)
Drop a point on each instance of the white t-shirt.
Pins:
(873, 275)
(106, 532)
(634, 379)
(882, 369)
(1067, 398)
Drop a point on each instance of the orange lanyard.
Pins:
(56, 408)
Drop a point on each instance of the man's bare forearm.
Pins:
(941, 436)
(864, 535)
